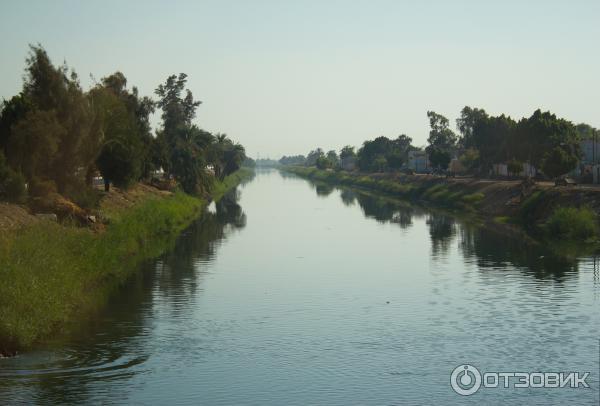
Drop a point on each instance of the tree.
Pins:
(123, 116)
(50, 88)
(233, 156)
(442, 140)
(12, 184)
(177, 111)
(34, 143)
(11, 112)
(323, 162)
(369, 153)
(187, 146)
(333, 159)
(466, 123)
(491, 136)
(311, 158)
(470, 159)
(380, 164)
(118, 164)
(187, 166)
(540, 134)
(347, 152)
(293, 160)
(439, 157)
(558, 161)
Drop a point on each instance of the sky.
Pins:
(285, 77)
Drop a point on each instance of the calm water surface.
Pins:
(292, 293)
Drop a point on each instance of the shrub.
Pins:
(14, 187)
(12, 184)
(41, 188)
(573, 223)
(473, 198)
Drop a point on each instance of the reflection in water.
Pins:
(348, 197)
(117, 343)
(494, 251)
(490, 249)
(386, 210)
(442, 229)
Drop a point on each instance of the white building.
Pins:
(418, 161)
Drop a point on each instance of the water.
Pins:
(303, 294)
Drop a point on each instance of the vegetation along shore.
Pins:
(88, 192)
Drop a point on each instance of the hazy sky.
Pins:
(284, 77)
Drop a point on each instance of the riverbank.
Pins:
(542, 210)
(52, 273)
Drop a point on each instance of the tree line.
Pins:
(56, 136)
(543, 140)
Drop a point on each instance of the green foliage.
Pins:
(529, 206)
(12, 184)
(473, 198)
(347, 152)
(333, 159)
(572, 223)
(187, 166)
(118, 163)
(466, 123)
(470, 159)
(382, 154)
(439, 157)
(323, 163)
(442, 141)
(491, 137)
(558, 161)
(55, 131)
(313, 156)
(11, 112)
(539, 134)
(56, 94)
(293, 160)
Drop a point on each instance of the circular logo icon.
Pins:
(465, 380)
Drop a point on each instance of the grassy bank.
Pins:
(544, 211)
(439, 192)
(51, 273)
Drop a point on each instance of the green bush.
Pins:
(14, 188)
(473, 198)
(12, 184)
(83, 195)
(573, 224)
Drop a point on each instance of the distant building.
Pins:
(501, 169)
(418, 161)
(590, 149)
(348, 163)
(589, 168)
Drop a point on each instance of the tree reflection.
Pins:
(348, 197)
(323, 189)
(495, 251)
(442, 229)
(177, 272)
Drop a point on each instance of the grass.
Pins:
(51, 272)
(571, 223)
